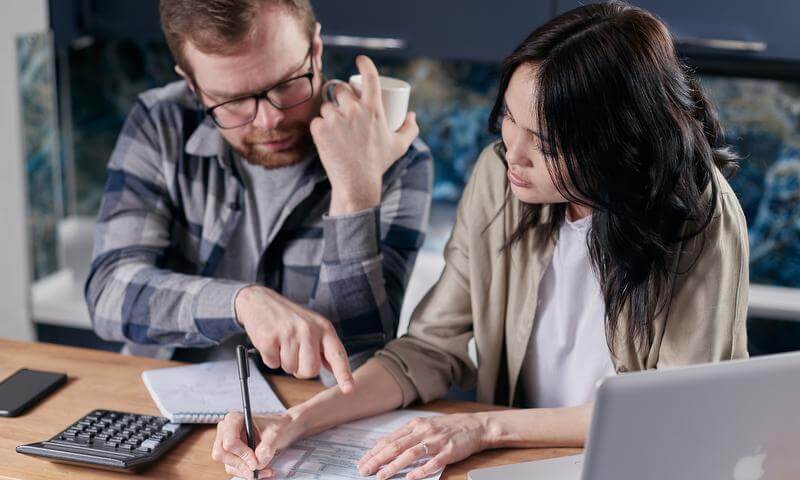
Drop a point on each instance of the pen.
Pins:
(244, 374)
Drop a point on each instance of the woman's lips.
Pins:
(517, 181)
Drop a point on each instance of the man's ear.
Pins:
(181, 73)
(316, 52)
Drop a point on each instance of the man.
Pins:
(237, 202)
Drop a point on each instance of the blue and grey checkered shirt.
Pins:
(171, 203)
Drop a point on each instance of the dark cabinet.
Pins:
(479, 30)
(449, 29)
(768, 29)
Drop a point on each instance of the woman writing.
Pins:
(599, 236)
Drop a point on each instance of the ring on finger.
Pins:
(425, 448)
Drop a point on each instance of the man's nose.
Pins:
(267, 117)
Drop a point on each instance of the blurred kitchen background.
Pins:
(71, 69)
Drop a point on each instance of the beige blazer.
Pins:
(492, 296)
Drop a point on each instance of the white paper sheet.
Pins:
(332, 455)
(205, 392)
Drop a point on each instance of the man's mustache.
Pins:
(266, 136)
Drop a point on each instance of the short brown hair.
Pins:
(219, 26)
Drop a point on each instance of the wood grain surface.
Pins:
(111, 381)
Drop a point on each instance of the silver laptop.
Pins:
(736, 420)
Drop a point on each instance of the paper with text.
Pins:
(333, 454)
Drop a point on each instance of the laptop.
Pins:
(736, 420)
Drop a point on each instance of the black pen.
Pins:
(244, 374)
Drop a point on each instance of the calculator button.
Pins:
(150, 443)
(170, 427)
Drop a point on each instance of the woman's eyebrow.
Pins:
(532, 132)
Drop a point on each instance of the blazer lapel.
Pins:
(529, 260)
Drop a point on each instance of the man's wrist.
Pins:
(243, 298)
(347, 201)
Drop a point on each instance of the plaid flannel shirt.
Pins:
(173, 199)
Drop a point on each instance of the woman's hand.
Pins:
(448, 438)
(272, 433)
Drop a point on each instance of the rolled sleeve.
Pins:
(352, 238)
(215, 312)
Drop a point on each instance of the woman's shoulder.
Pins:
(728, 213)
(724, 234)
(488, 185)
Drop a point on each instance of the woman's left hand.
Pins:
(448, 438)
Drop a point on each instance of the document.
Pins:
(333, 454)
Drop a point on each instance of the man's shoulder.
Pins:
(171, 111)
(419, 148)
(415, 167)
(174, 95)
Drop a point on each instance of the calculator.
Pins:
(111, 440)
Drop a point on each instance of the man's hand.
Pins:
(355, 144)
(291, 337)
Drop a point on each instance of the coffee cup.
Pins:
(395, 94)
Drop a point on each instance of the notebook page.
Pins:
(208, 389)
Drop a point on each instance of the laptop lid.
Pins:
(737, 420)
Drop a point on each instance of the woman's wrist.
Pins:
(491, 429)
(534, 427)
(301, 420)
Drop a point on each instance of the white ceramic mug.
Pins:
(395, 94)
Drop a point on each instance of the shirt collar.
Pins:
(207, 141)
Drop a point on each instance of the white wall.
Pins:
(18, 16)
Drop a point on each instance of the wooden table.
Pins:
(108, 380)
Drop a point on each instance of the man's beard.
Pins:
(302, 146)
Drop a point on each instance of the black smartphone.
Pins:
(24, 388)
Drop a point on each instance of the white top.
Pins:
(567, 351)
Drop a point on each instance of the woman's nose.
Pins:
(515, 156)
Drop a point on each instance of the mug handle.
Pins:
(329, 90)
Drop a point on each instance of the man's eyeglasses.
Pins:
(287, 94)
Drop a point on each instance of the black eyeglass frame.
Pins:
(265, 95)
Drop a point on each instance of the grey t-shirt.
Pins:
(267, 192)
(266, 195)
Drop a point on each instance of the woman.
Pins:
(598, 237)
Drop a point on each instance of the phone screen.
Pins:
(25, 387)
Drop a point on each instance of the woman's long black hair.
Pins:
(633, 137)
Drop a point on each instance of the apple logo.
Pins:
(750, 467)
